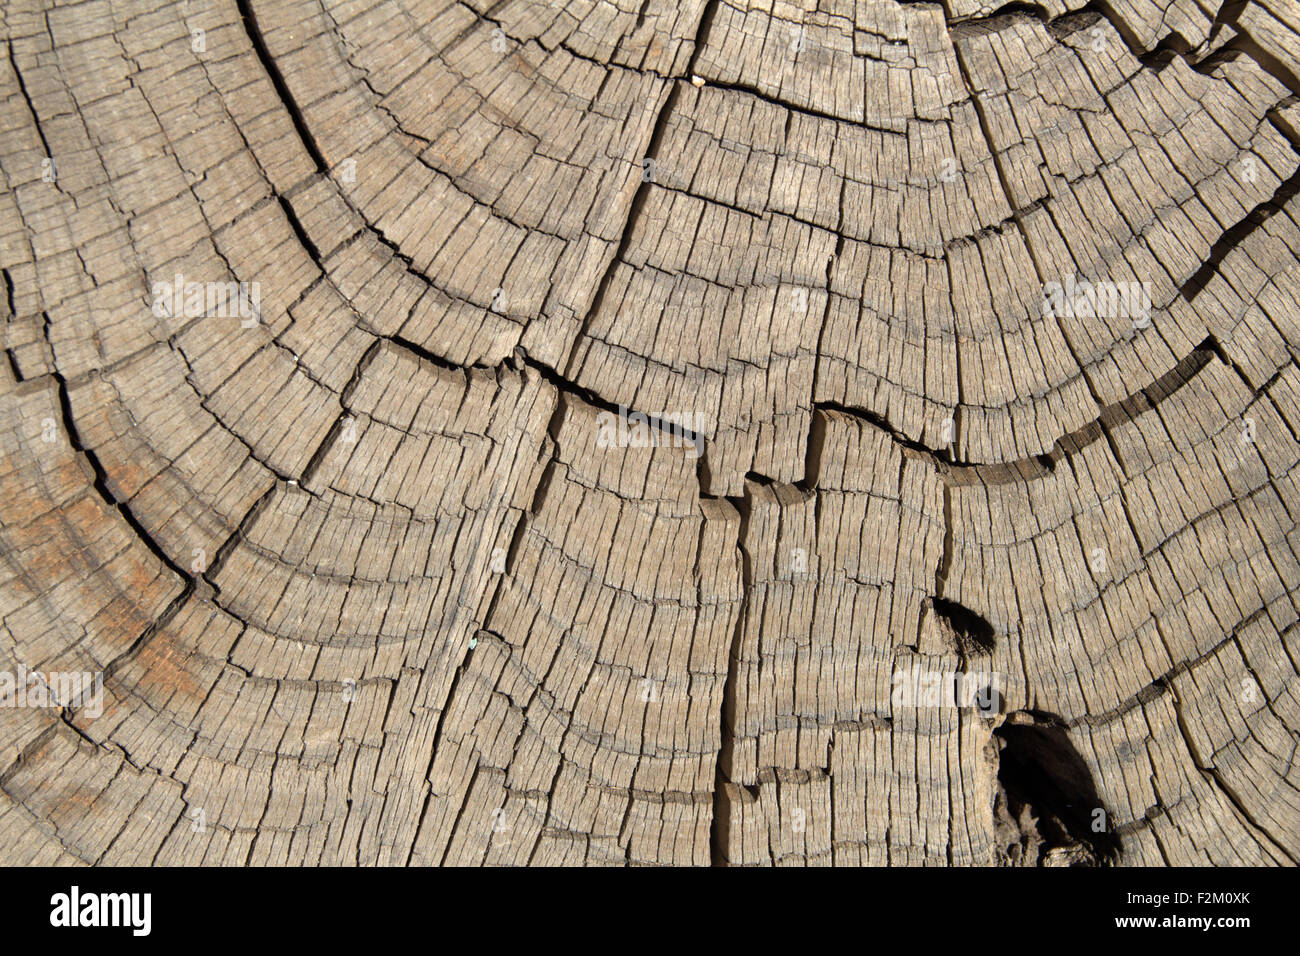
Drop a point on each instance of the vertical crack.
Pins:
(255, 36)
(720, 832)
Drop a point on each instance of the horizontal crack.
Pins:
(1040, 466)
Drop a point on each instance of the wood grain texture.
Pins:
(649, 435)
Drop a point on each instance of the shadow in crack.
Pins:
(973, 632)
(1048, 811)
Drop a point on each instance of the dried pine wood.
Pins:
(641, 404)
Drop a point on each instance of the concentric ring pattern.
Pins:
(604, 432)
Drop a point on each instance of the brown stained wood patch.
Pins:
(693, 433)
(164, 669)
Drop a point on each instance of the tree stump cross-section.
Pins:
(584, 432)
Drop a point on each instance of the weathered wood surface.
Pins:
(366, 584)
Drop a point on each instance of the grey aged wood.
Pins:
(372, 575)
